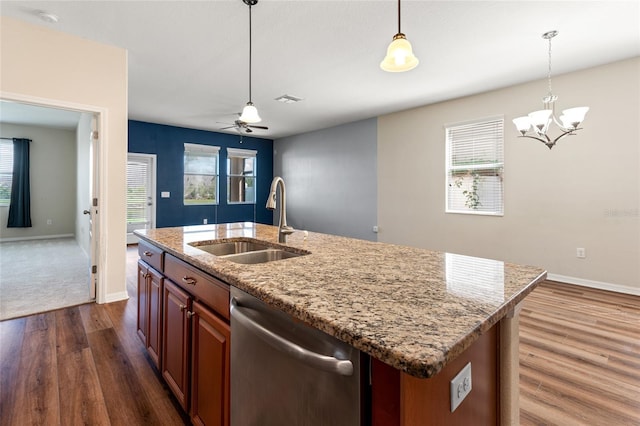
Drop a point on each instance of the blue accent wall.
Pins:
(167, 142)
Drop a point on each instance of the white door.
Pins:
(93, 209)
(141, 190)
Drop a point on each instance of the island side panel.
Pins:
(510, 368)
(426, 401)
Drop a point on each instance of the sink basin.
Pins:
(262, 256)
(230, 247)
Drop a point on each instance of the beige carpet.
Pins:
(42, 275)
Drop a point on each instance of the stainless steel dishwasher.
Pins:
(285, 373)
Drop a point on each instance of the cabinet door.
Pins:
(143, 302)
(210, 368)
(154, 337)
(175, 337)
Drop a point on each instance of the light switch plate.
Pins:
(460, 386)
(165, 194)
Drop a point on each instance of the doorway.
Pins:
(141, 193)
(63, 155)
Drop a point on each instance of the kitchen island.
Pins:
(421, 315)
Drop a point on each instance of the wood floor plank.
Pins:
(11, 338)
(36, 392)
(70, 335)
(94, 318)
(82, 401)
(125, 398)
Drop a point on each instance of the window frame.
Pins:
(206, 151)
(7, 146)
(242, 153)
(479, 129)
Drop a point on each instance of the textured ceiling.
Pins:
(188, 60)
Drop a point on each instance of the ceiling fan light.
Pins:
(400, 55)
(250, 114)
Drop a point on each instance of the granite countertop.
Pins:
(411, 308)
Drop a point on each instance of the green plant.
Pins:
(472, 198)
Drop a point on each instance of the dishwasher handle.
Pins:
(316, 360)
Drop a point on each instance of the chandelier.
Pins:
(536, 124)
(250, 112)
(400, 55)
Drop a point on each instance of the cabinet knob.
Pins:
(190, 314)
(183, 307)
(148, 253)
(189, 280)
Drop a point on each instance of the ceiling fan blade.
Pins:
(258, 127)
(228, 127)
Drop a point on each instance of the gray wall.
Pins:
(331, 182)
(53, 182)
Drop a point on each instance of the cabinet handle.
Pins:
(148, 253)
(183, 307)
(189, 280)
(145, 275)
(190, 314)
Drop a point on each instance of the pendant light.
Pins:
(400, 55)
(250, 112)
(536, 124)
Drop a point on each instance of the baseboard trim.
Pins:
(595, 284)
(115, 297)
(37, 237)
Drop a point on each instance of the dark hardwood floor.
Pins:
(579, 358)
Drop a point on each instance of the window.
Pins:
(241, 176)
(475, 162)
(200, 174)
(6, 171)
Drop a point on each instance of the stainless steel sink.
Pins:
(262, 256)
(246, 252)
(230, 247)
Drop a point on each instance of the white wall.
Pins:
(583, 193)
(52, 177)
(330, 176)
(50, 67)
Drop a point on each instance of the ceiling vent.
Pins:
(288, 99)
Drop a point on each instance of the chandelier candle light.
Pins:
(536, 124)
(250, 112)
(400, 55)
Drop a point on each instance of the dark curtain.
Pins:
(20, 207)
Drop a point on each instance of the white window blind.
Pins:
(200, 174)
(474, 165)
(138, 184)
(241, 176)
(6, 171)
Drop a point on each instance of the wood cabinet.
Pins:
(176, 338)
(183, 320)
(210, 386)
(150, 284)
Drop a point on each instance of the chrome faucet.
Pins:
(283, 228)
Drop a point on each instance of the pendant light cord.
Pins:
(549, 70)
(399, 32)
(249, 52)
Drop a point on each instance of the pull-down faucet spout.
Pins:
(283, 228)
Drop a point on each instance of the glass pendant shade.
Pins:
(400, 55)
(250, 114)
(572, 117)
(523, 124)
(540, 119)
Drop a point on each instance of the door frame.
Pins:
(98, 179)
(153, 158)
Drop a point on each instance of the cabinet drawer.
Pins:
(152, 255)
(209, 290)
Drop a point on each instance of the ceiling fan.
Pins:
(244, 127)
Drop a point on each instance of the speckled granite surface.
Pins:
(411, 308)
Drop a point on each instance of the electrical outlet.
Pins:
(49, 221)
(581, 253)
(460, 386)
(204, 221)
(375, 229)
